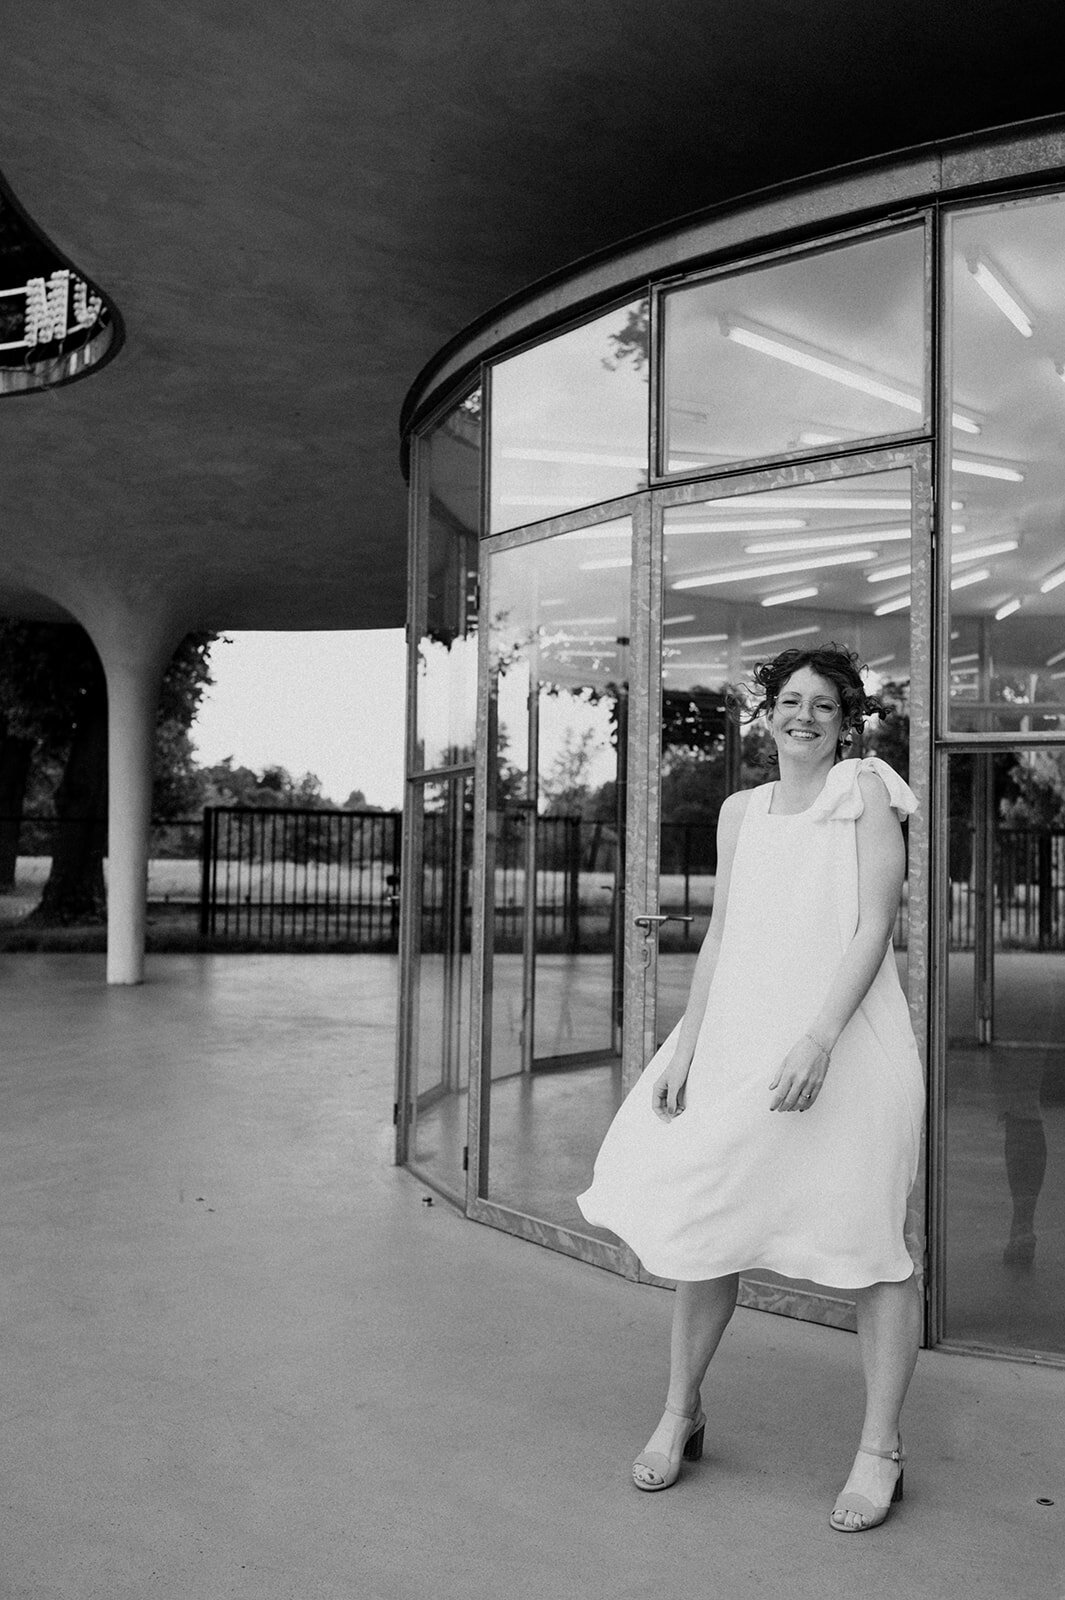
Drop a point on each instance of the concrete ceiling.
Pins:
(293, 206)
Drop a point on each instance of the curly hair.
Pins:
(836, 664)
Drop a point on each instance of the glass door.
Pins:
(556, 871)
(743, 570)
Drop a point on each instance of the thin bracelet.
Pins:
(815, 1040)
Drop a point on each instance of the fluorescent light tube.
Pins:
(825, 541)
(986, 469)
(1052, 661)
(769, 343)
(1052, 581)
(774, 638)
(765, 525)
(819, 500)
(778, 569)
(791, 594)
(900, 602)
(902, 569)
(604, 562)
(675, 622)
(977, 552)
(996, 291)
(574, 458)
(965, 580)
(697, 638)
(1007, 609)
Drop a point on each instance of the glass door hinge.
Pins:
(465, 1158)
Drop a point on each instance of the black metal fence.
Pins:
(300, 877)
(330, 879)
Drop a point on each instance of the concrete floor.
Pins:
(244, 1358)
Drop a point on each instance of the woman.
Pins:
(779, 1124)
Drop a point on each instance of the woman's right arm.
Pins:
(668, 1093)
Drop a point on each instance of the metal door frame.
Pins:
(616, 1257)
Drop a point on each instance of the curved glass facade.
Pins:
(853, 436)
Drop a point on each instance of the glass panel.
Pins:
(745, 577)
(440, 1046)
(555, 862)
(446, 693)
(1006, 321)
(821, 350)
(570, 420)
(1005, 1092)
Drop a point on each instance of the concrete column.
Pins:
(132, 697)
(134, 649)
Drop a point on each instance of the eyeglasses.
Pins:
(823, 709)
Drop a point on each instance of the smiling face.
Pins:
(806, 718)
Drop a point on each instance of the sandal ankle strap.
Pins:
(898, 1454)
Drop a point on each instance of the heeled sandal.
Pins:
(667, 1468)
(872, 1515)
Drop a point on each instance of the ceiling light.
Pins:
(902, 569)
(791, 594)
(604, 562)
(959, 661)
(697, 638)
(1007, 609)
(965, 580)
(819, 500)
(564, 500)
(674, 622)
(606, 530)
(962, 423)
(880, 661)
(575, 458)
(992, 285)
(815, 439)
(766, 525)
(977, 552)
(825, 541)
(1052, 661)
(769, 343)
(579, 622)
(773, 638)
(900, 602)
(743, 574)
(986, 469)
(688, 667)
(1052, 580)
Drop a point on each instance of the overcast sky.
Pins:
(327, 703)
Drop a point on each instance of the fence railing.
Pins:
(330, 879)
(322, 878)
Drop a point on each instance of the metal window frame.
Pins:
(921, 217)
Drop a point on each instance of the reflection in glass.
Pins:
(570, 419)
(441, 912)
(820, 350)
(446, 689)
(1005, 1094)
(745, 577)
(1006, 329)
(555, 861)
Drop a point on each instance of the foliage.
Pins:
(273, 787)
(1037, 802)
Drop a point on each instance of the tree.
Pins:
(53, 695)
(272, 788)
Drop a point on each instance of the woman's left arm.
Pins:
(881, 868)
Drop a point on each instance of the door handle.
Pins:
(652, 921)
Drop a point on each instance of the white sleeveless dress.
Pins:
(728, 1185)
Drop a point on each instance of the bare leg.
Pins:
(889, 1330)
(701, 1313)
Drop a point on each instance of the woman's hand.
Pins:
(802, 1072)
(667, 1098)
